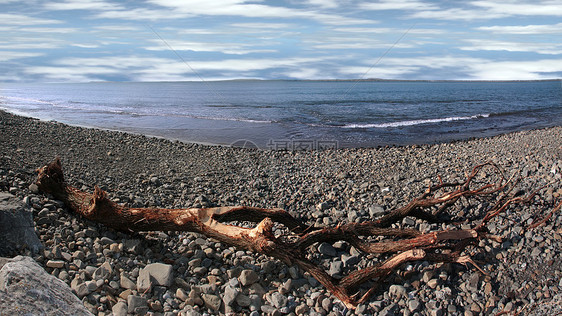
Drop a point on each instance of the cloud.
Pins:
(365, 72)
(82, 5)
(492, 45)
(246, 35)
(512, 8)
(228, 68)
(387, 30)
(19, 19)
(225, 48)
(362, 30)
(306, 74)
(355, 38)
(117, 62)
(139, 14)
(258, 27)
(108, 40)
(244, 8)
(200, 31)
(434, 62)
(59, 74)
(140, 68)
(489, 9)
(351, 43)
(137, 68)
(326, 4)
(30, 43)
(519, 70)
(110, 10)
(462, 68)
(455, 14)
(228, 7)
(50, 30)
(398, 5)
(94, 69)
(524, 29)
(154, 10)
(85, 45)
(12, 55)
(254, 64)
(117, 28)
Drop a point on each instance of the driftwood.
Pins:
(397, 245)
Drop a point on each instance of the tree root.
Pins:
(403, 245)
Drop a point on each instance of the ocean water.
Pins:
(296, 114)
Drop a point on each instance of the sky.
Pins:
(206, 40)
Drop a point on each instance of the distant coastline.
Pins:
(428, 80)
(333, 80)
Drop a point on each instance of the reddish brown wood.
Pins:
(405, 244)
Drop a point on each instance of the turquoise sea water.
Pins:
(296, 114)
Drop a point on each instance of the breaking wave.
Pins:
(417, 122)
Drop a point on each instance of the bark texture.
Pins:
(378, 237)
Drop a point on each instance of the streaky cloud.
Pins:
(20, 19)
(537, 29)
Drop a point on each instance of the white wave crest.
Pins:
(416, 122)
(27, 100)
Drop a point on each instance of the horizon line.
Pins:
(295, 80)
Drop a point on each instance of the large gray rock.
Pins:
(335, 268)
(278, 300)
(17, 230)
(27, 289)
(327, 249)
(230, 294)
(144, 284)
(248, 277)
(120, 309)
(213, 302)
(136, 304)
(160, 273)
(155, 274)
(126, 283)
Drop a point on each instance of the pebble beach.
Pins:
(108, 270)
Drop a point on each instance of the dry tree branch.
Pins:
(403, 245)
(537, 223)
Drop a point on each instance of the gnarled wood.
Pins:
(403, 244)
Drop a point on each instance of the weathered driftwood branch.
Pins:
(403, 245)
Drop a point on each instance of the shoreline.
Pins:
(321, 187)
(249, 144)
(302, 112)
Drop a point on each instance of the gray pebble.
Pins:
(213, 302)
(413, 305)
(537, 251)
(335, 268)
(243, 300)
(120, 309)
(161, 273)
(397, 291)
(248, 277)
(327, 249)
(134, 302)
(230, 294)
(33, 188)
(278, 300)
